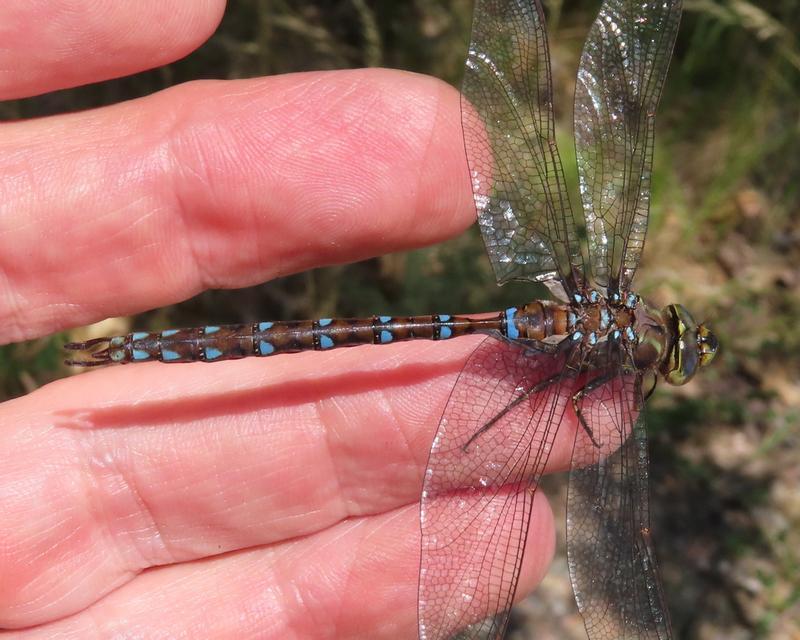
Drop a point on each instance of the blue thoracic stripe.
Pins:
(511, 328)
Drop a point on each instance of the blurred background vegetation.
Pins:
(724, 240)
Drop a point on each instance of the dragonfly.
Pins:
(596, 349)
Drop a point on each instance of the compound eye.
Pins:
(684, 359)
(684, 355)
(707, 345)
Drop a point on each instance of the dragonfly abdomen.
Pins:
(211, 344)
(229, 342)
(536, 321)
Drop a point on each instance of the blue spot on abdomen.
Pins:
(265, 348)
(386, 337)
(511, 328)
(212, 353)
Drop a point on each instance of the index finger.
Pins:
(221, 184)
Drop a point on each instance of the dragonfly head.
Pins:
(691, 346)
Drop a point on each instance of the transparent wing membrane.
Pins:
(478, 489)
(621, 75)
(611, 559)
(501, 420)
(523, 206)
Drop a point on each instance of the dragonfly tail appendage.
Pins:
(91, 355)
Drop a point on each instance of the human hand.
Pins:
(260, 498)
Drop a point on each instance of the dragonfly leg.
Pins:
(541, 386)
(590, 386)
(652, 388)
(544, 347)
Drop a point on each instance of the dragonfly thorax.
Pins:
(592, 318)
(592, 322)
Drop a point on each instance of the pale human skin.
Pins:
(271, 498)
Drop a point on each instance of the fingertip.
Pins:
(56, 45)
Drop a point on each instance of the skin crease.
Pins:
(263, 498)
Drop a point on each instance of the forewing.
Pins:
(611, 559)
(518, 183)
(478, 489)
(621, 75)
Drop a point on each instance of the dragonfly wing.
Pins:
(478, 489)
(611, 558)
(621, 75)
(518, 183)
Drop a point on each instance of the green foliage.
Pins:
(27, 365)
